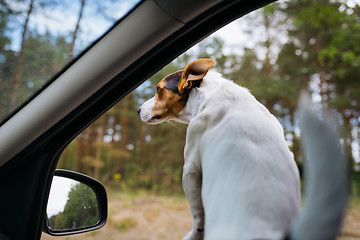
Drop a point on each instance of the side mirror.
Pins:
(77, 204)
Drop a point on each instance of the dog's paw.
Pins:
(195, 235)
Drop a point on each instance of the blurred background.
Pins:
(275, 52)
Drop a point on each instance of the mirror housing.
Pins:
(89, 194)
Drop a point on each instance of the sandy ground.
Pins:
(143, 216)
(351, 224)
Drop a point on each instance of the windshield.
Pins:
(39, 37)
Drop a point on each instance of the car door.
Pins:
(33, 137)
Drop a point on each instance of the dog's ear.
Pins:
(194, 71)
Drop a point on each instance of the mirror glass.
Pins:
(72, 205)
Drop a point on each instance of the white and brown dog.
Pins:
(239, 175)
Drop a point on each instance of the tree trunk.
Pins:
(78, 153)
(124, 123)
(74, 36)
(174, 154)
(267, 65)
(98, 155)
(120, 162)
(20, 59)
(153, 156)
(142, 155)
(87, 141)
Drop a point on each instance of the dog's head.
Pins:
(172, 93)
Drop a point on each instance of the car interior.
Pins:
(33, 137)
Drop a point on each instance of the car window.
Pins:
(275, 52)
(38, 38)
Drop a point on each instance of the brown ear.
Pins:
(194, 71)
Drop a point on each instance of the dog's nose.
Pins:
(139, 110)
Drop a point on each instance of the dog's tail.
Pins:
(326, 190)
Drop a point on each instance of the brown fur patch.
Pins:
(168, 101)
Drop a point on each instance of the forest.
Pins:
(292, 46)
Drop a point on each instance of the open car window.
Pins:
(277, 56)
(38, 38)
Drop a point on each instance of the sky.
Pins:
(58, 197)
(62, 21)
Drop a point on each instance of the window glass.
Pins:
(38, 37)
(275, 52)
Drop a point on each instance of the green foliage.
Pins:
(125, 224)
(43, 57)
(81, 210)
(4, 40)
(320, 53)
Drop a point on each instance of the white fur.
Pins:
(146, 110)
(239, 172)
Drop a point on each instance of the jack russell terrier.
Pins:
(239, 176)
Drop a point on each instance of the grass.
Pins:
(144, 215)
(141, 215)
(125, 224)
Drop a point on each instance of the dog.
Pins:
(239, 176)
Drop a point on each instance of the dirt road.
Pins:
(143, 216)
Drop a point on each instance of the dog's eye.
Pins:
(157, 89)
